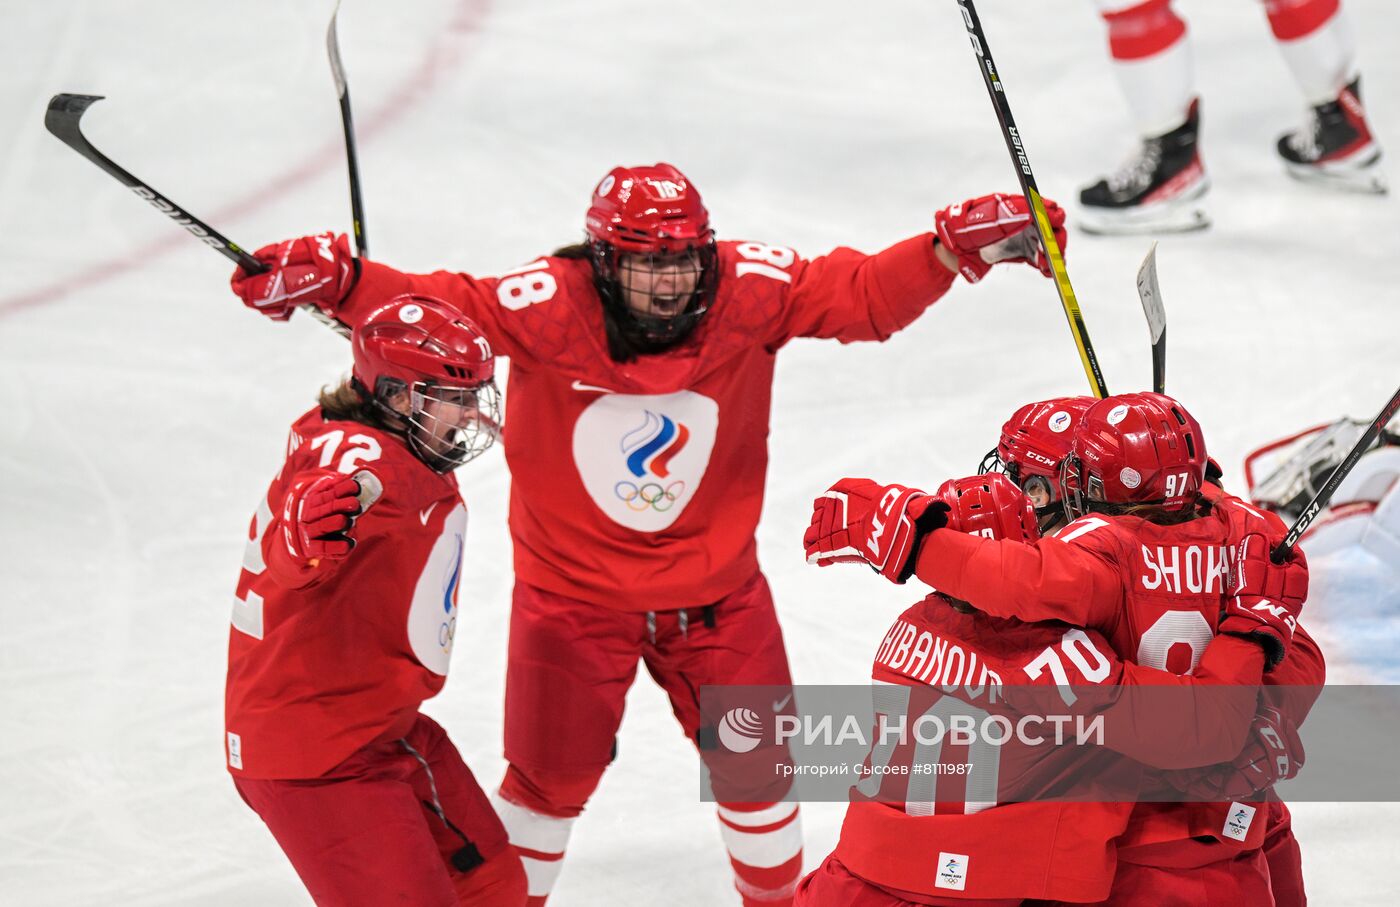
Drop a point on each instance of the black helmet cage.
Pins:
(653, 333)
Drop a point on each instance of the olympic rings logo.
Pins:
(649, 495)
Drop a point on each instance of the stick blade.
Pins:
(1151, 295)
(64, 112)
(333, 51)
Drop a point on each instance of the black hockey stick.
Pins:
(1151, 295)
(63, 120)
(1324, 494)
(357, 205)
(1028, 187)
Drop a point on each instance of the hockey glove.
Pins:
(1267, 597)
(860, 520)
(316, 270)
(1272, 753)
(317, 516)
(993, 228)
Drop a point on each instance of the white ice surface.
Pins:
(145, 410)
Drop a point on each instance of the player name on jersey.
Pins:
(1185, 568)
(928, 658)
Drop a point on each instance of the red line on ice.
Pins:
(440, 57)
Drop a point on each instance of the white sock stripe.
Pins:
(527, 828)
(759, 817)
(540, 875)
(764, 850)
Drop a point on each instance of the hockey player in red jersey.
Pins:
(1064, 849)
(1032, 446)
(1163, 185)
(641, 372)
(343, 624)
(1146, 562)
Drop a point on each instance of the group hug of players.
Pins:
(635, 432)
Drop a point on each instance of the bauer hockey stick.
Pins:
(1151, 295)
(1028, 187)
(63, 120)
(352, 161)
(1324, 494)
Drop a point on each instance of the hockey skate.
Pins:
(1335, 147)
(1158, 191)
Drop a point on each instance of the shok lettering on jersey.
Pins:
(170, 211)
(930, 659)
(1184, 568)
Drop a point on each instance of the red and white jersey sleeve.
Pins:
(327, 657)
(638, 485)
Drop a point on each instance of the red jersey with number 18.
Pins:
(637, 485)
(324, 659)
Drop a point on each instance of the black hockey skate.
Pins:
(1159, 190)
(1335, 147)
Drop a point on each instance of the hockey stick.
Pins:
(1028, 187)
(1324, 494)
(1151, 295)
(63, 118)
(357, 205)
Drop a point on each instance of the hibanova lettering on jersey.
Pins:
(930, 659)
(642, 457)
(432, 618)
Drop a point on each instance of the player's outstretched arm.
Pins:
(1049, 580)
(851, 296)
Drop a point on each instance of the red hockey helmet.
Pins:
(425, 364)
(989, 505)
(1033, 443)
(1134, 449)
(648, 209)
(653, 253)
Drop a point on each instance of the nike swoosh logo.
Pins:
(778, 704)
(424, 514)
(580, 386)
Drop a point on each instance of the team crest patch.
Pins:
(641, 458)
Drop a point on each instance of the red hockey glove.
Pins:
(998, 227)
(860, 520)
(1272, 753)
(313, 269)
(1267, 597)
(318, 514)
